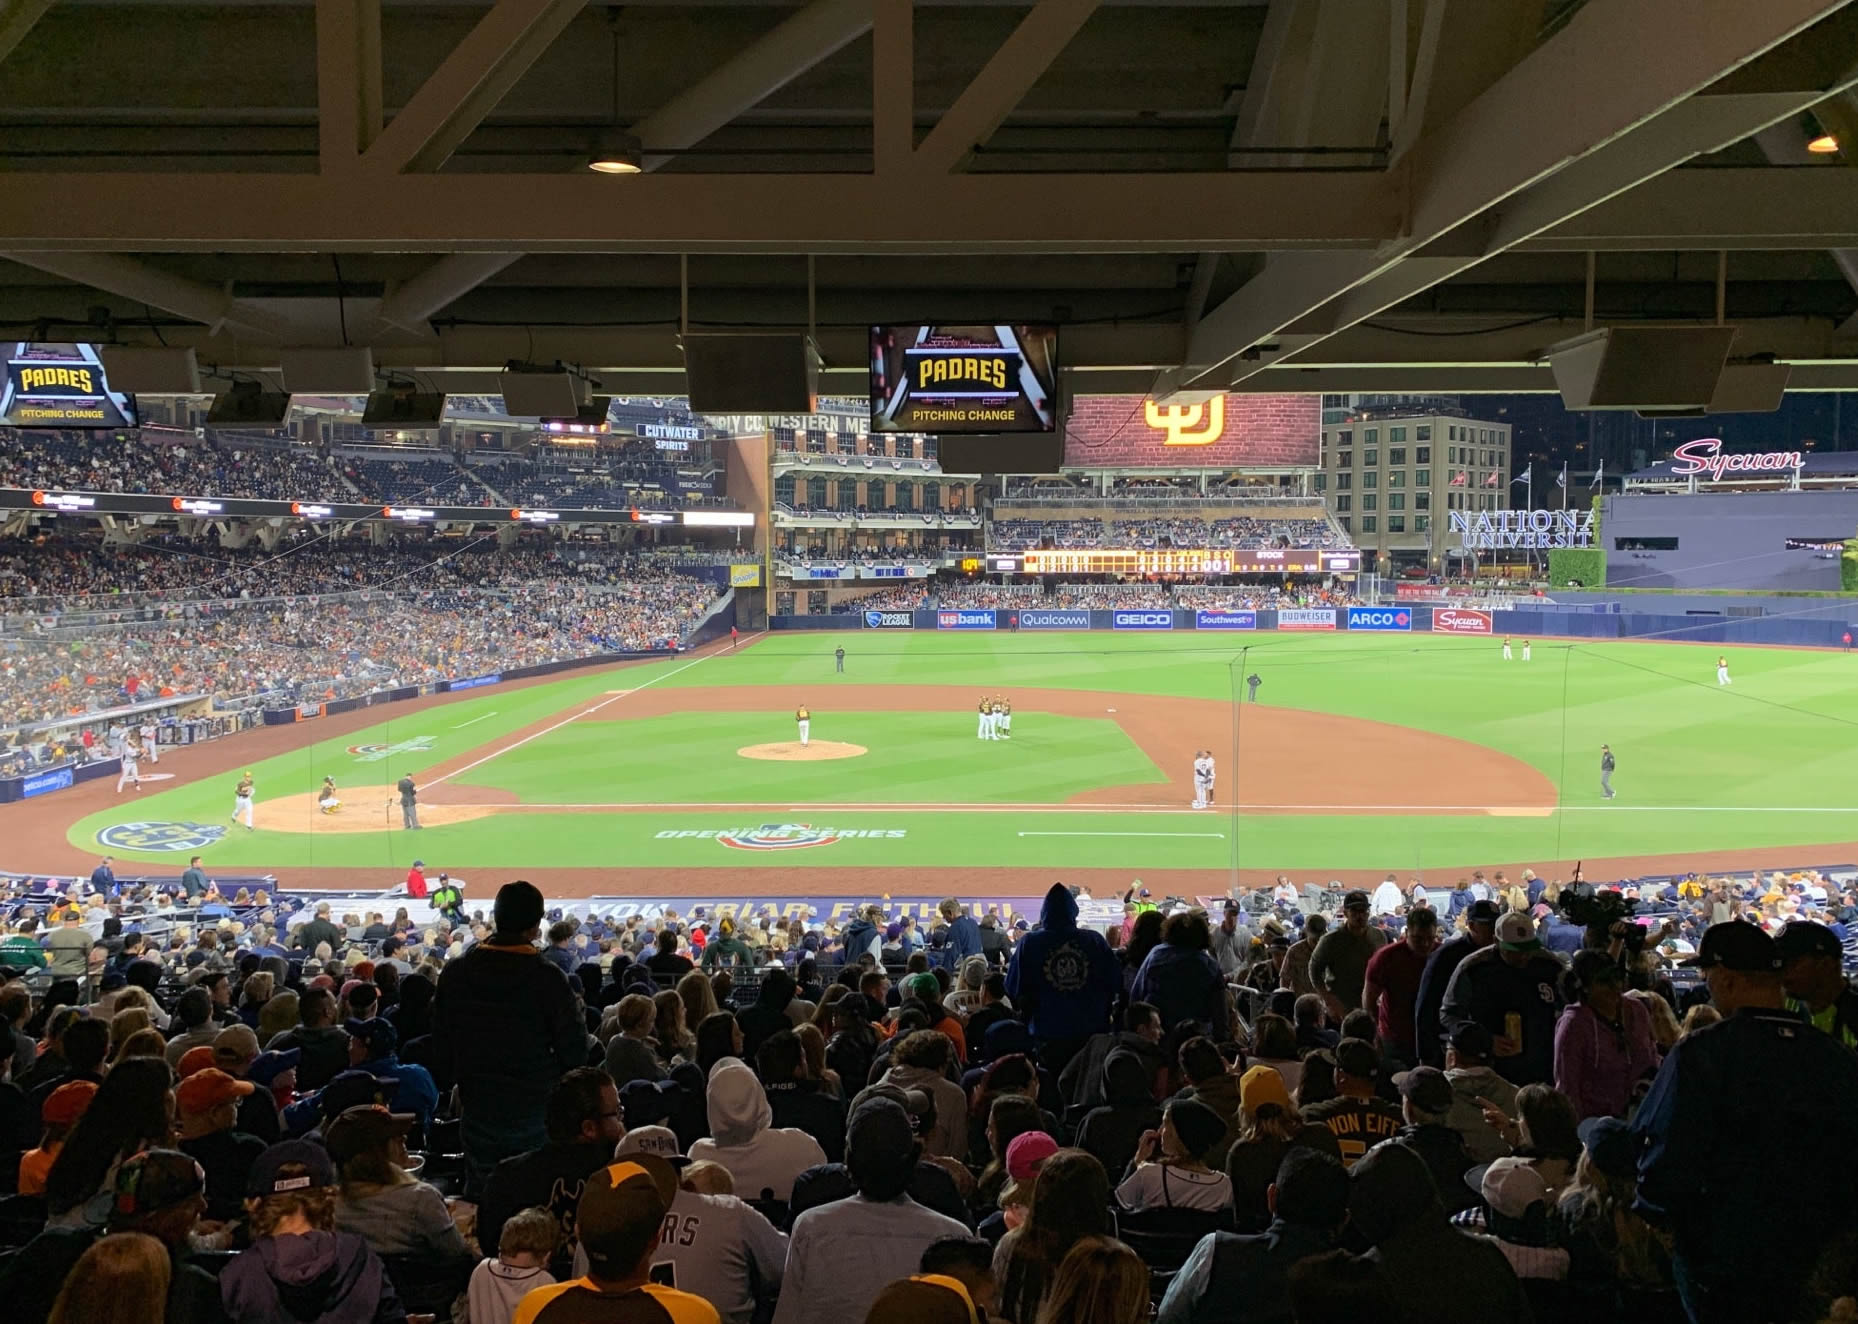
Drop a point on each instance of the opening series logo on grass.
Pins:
(780, 836)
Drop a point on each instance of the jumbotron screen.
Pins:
(60, 386)
(964, 378)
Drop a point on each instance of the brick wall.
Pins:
(1259, 431)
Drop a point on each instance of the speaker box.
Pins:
(1750, 388)
(403, 408)
(542, 393)
(248, 403)
(154, 371)
(327, 371)
(1641, 367)
(1008, 453)
(751, 374)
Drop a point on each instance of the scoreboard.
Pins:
(1183, 561)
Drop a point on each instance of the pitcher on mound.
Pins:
(804, 720)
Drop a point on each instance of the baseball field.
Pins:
(1364, 753)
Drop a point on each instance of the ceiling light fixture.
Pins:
(616, 152)
(1824, 145)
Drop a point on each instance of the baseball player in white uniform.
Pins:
(1722, 669)
(242, 803)
(986, 731)
(131, 772)
(1525, 650)
(804, 719)
(1506, 648)
(148, 742)
(1203, 779)
(1006, 718)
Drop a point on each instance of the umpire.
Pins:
(1606, 771)
(838, 658)
(1252, 682)
(409, 803)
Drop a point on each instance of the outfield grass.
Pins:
(1701, 768)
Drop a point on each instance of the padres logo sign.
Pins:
(1187, 425)
(779, 836)
(160, 836)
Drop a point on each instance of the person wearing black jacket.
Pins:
(1513, 989)
(1236, 1279)
(1082, 1083)
(583, 1125)
(767, 1015)
(1114, 1131)
(1480, 932)
(319, 930)
(506, 1027)
(795, 1100)
(323, 1043)
(1426, 1099)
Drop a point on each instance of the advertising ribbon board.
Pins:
(1225, 620)
(965, 620)
(1142, 620)
(1460, 620)
(1070, 619)
(1380, 618)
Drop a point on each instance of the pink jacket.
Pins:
(1593, 1067)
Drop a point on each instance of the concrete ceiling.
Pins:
(1324, 195)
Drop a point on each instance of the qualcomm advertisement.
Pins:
(1379, 618)
(1142, 620)
(1070, 619)
(965, 620)
(889, 620)
(1225, 620)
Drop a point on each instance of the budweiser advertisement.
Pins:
(1460, 620)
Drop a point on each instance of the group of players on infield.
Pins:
(996, 713)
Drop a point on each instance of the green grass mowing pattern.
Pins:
(924, 757)
(1700, 768)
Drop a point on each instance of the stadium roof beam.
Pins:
(1585, 91)
(743, 81)
(1755, 207)
(1002, 83)
(468, 85)
(16, 20)
(137, 280)
(438, 286)
(348, 81)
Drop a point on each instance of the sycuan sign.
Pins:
(1705, 456)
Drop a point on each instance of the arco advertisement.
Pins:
(1380, 618)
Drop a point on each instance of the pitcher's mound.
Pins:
(792, 751)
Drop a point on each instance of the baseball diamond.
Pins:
(1372, 752)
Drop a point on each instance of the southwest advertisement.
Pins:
(1306, 618)
(1225, 620)
(950, 619)
(1380, 618)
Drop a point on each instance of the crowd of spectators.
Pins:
(902, 598)
(1497, 1101)
(173, 464)
(321, 620)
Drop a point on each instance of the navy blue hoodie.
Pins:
(1063, 978)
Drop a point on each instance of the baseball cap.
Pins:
(1482, 912)
(517, 909)
(1613, 1147)
(1199, 1127)
(197, 1058)
(290, 1165)
(1736, 945)
(1261, 1085)
(1516, 933)
(364, 1127)
(659, 1140)
(351, 1089)
(924, 986)
(64, 1105)
(1805, 938)
(376, 1033)
(1509, 1185)
(1027, 1151)
(926, 1298)
(1358, 1058)
(207, 1089)
(881, 1135)
(267, 1067)
(1471, 1039)
(155, 1179)
(235, 1045)
(1427, 1087)
(1355, 900)
(621, 1211)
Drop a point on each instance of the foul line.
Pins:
(1219, 836)
(572, 717)
(475, 720)
(901, 806)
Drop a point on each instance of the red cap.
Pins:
(67, 1103)
(197, 1058)
(206, 1090)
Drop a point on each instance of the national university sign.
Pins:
(1490, 530)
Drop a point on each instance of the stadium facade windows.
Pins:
(1397, 454)
(1422, 478)
(1369, 523)
(1371, 459)
(1371, 479)
(1396, 524)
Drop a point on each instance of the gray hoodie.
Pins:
(1469, 1086)
(759, 1156)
